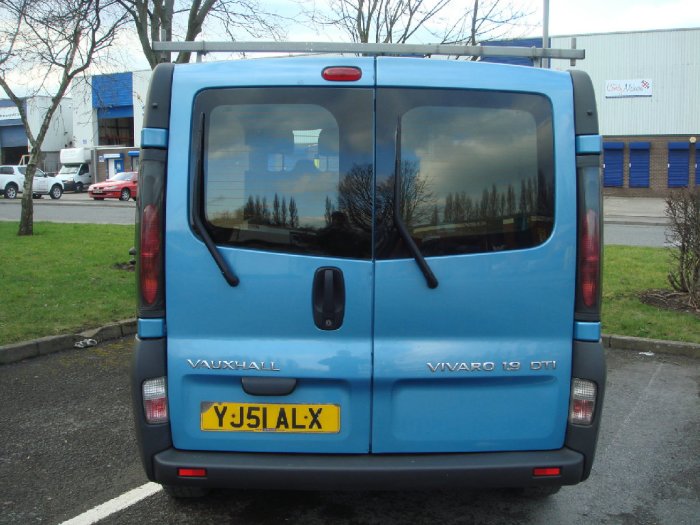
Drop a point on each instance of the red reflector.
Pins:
(546, 471)
(192, 472)
(342, 74)
(150, 254)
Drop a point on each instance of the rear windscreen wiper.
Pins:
(228, 274)
(398, 220)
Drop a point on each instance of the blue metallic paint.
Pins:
(151, 328)
(493, 307)
(529, 291)
(268, 316)
(587, 331)
(154, 138)
(589, 144)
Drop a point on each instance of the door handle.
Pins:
(328, 298)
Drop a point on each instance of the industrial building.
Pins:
(13, 137)
(647, 87)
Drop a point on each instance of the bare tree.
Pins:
(56, 40)
(157, 20)
(398, 21)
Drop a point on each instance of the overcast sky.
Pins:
(606, 16)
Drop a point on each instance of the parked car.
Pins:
(12, 183)
(122, 186)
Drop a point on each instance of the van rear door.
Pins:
(483, 361)
(280, 362)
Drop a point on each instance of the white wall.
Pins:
(84, 116)
(140, 81)
(61, 126)
(670, 59)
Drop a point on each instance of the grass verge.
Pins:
(63, 280)
(629, 270)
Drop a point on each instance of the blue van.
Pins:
(371, 272)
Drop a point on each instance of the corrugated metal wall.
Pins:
(671, 59)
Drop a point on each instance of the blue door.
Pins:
(282, 181)
(678, 164)
(482, 361)
(612, 164)
(639, 164)
(118, 165)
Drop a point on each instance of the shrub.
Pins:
(683, 211)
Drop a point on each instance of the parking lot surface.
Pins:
(67, 446)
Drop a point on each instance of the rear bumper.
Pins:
(364, 471)
(368, 472)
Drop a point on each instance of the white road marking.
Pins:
(115, 505)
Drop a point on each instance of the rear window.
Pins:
(274, 160)
(476, 170)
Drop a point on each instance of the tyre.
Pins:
(125, 195)
(79, 187)
(179, 492)
(11, 191)
(56, 191)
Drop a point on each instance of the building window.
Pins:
(116, 131)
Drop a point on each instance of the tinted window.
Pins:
(275, 161)
(476, 171)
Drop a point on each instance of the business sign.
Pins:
(9, 113)
(641, 87)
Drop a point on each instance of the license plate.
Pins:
(96, 191)
(269, 417)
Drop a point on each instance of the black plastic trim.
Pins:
(158, 99)
(268, 386)
(585, 112)
(149, 362)
(423, 265)
(588, 363)
(368, 471)
(228, 274)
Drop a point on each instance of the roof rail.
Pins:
(534, 53)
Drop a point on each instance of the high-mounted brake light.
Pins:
(150, 254)
(342, 74)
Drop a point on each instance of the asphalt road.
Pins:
(66, 446)
(73, 207)
(80, 208)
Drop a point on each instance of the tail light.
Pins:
(589, 259)
(583, 400)
(149, 231)
(155, 400)
(588, 267)
(150, 255)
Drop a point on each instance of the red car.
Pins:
(122, 186)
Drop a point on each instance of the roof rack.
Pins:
(534, 53)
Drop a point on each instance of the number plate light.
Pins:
(583, 397)
(155, 400)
